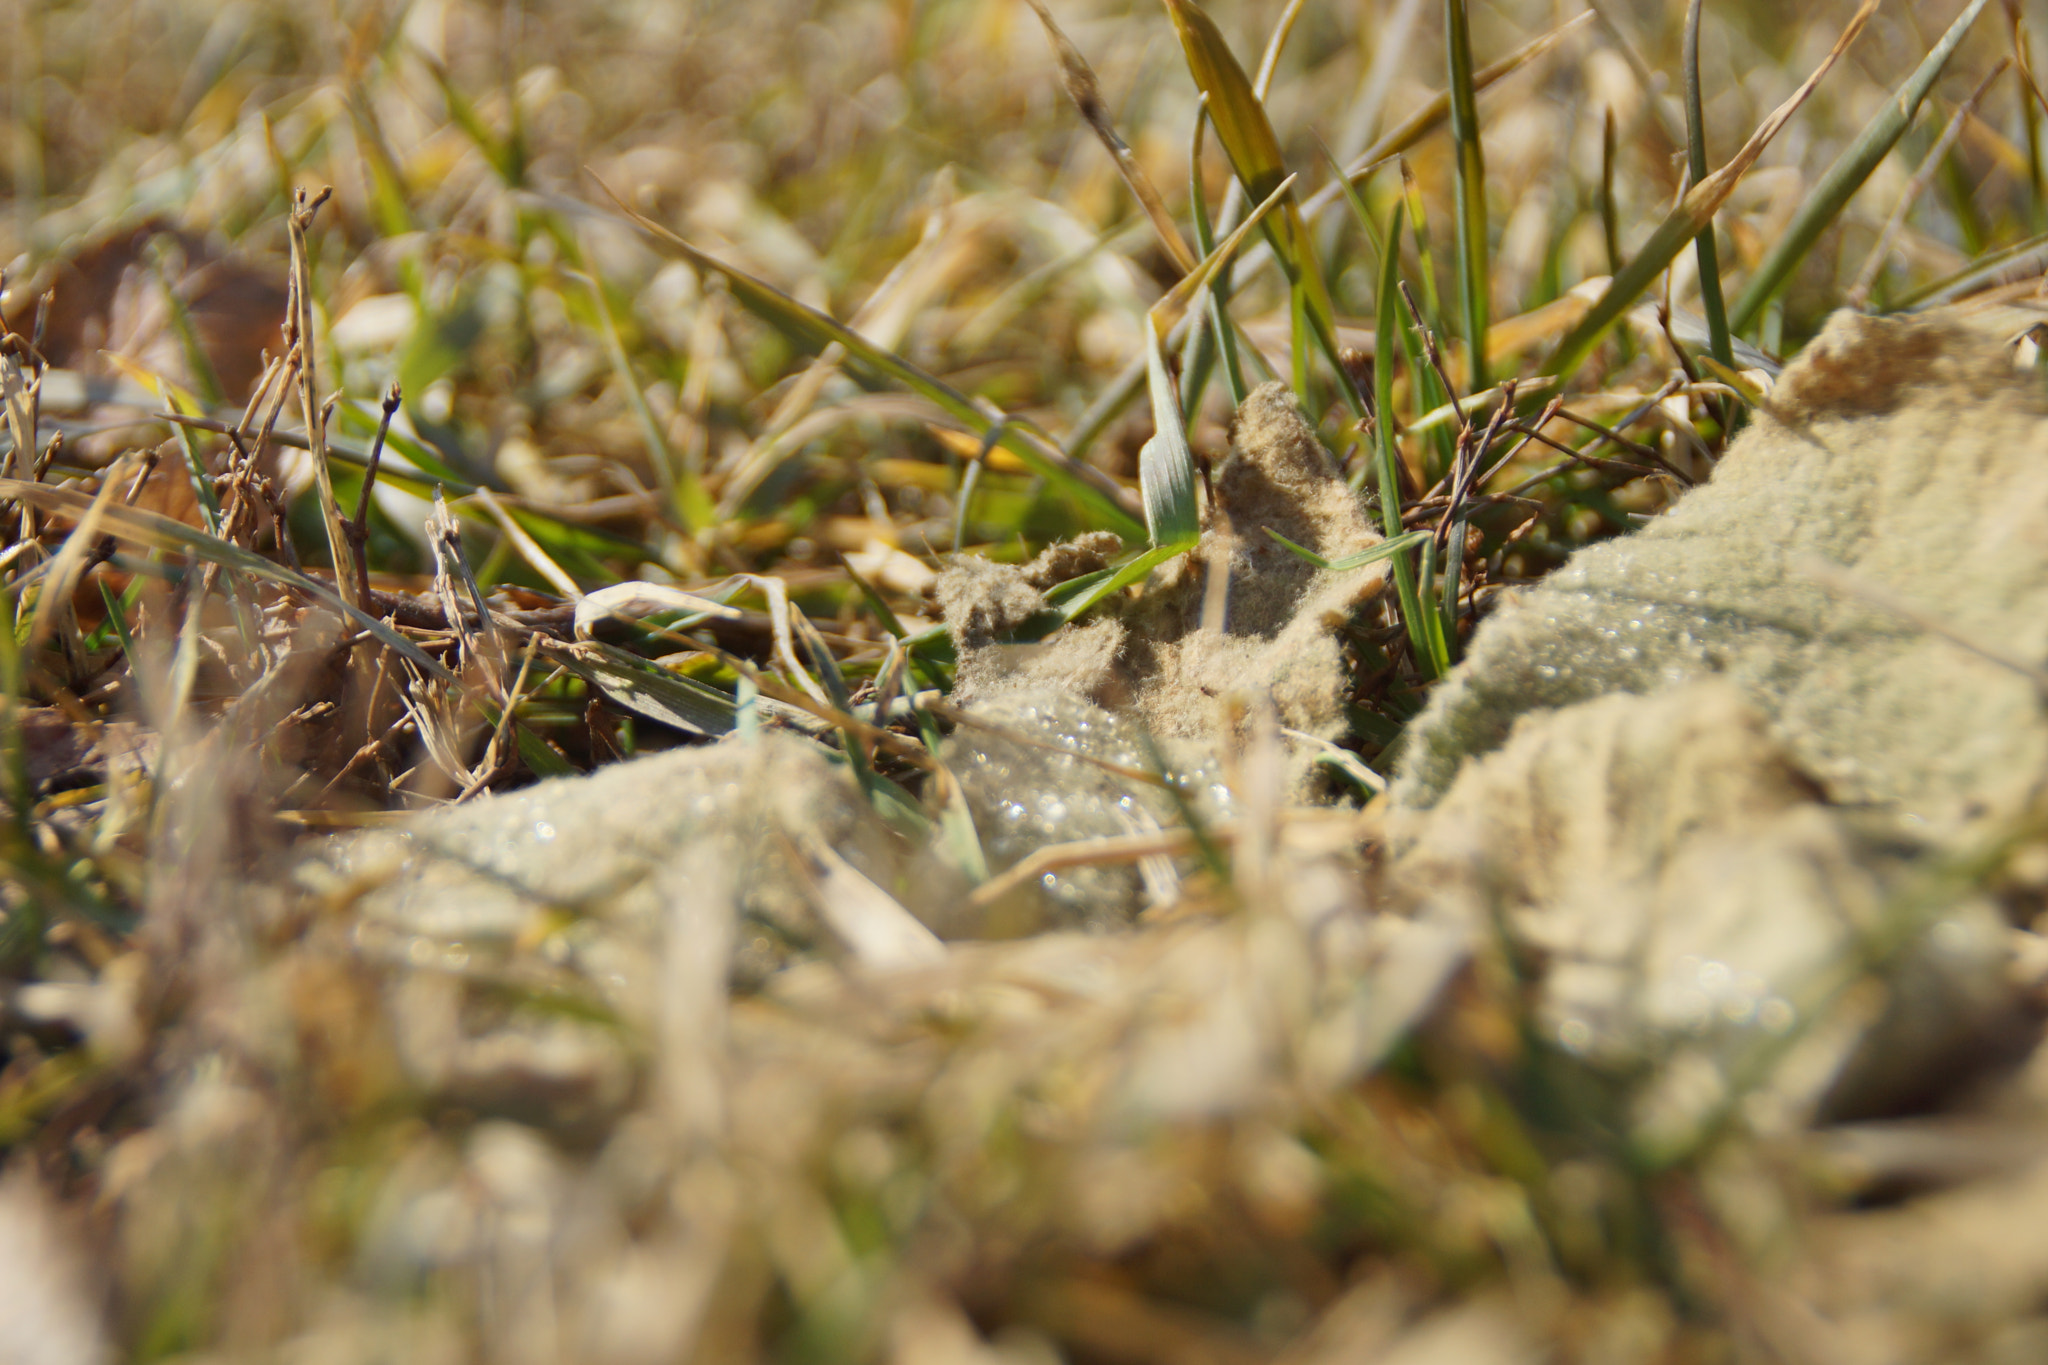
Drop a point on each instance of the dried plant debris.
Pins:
(1181, 655)
(1708, 776)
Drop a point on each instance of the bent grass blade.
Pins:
(1093, 490)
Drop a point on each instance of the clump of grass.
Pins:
(754, 325)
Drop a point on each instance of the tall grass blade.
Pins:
(1167, 313)
(1082, 88)
(506, 155)
(1866, 278)
(1093, 490)
(1975, 273)
(2030, 112)
(1431, 113)
(195, 460)
(1711, 303)
(1437, 661)
(1118, 579)
(1471, 189)
(1217, 337)
(1430, 392)
(1387, 455)
(1454, 582)
(1254, 153)
(679, 485)
(1841, 180)
(1386, 549)
(1610, 219)
(1418, 225)
(960, 842)
(1693, 213)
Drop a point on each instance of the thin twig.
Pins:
(359, 529)
(304, 206)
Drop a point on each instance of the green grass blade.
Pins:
(1431, 621)
(959, 842)
(1973, 273)
(1386, 549)
(679, 484)
(197, 362)
(646, 689)
(1471, 189)
(1121, 578)
(1254, 152)
(1685, 222)
(1223, 338)
(1166, 313)
(1430, 393)
(1298, 345)
(1352, 197)
(178, 401)
(363, 419)
(1095, 491)
(2030, 113)
(1430, 115)
(117, 618)
(1711, 303)
(1610, 220)
(1454, 581)
(1166, 466)
(1418, 225)
(506, 156)
(1936, 158)
(890, 800)
(1387, 454)
(540, 759)
(1841, 180)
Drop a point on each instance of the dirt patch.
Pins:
(1238, 620)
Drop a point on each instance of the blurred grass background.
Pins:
(918, 171)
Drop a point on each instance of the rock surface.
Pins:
(1707, 774)
(1906, 451)
(533, 933)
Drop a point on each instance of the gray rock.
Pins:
(1044, 767)
(1905, 450)
(1704, 782)
(535, 935)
